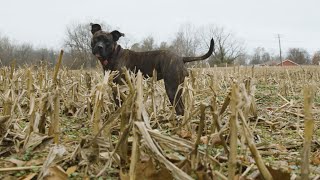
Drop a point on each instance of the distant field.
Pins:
(260, 106)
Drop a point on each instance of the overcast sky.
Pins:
(256, 22)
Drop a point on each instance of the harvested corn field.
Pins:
(240, 122)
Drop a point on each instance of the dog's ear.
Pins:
(95, 28)
(116, 35)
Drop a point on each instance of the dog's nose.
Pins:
(100, 47)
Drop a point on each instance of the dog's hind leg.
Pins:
(179, 106)
(175, 98)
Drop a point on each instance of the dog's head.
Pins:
(103, 43)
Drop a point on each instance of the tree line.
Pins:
(187, 41)
(297, 55)
(24, 54)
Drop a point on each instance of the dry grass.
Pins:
(240, 122)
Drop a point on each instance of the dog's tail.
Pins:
(208, 54)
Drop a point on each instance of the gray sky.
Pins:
(256, 22)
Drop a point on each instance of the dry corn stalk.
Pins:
(98, 103)
(153, 94)
(194, 155)
(139, 97)
(88, 84)
(216, 117)
(257, 157)
(176, 172)
(54, 128)
(44, 105)
(57, 67)
(8, 99)
(234, 100)
(308, 94)
(29, 82)
(12, 68)
(135, 154)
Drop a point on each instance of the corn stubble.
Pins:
(234, 123)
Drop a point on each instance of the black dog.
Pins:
(169, 66)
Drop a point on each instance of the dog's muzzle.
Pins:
(103, 61)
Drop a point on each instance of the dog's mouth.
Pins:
(102, 60)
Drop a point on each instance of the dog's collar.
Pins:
(115, 52)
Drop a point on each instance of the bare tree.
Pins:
(148, 44)
(316, 58)
(256, 57)
(242, 59)
(6, 51)
(125, 42)
(48, 56)
(136, 47)
(259, 56)
(24, 54)
(298, 55)
(186, 41)
(227, 47)
(163, 46)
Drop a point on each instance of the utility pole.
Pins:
(280, 49)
